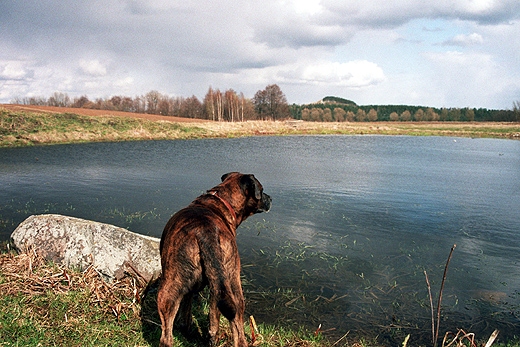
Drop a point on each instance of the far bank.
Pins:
(27, 128)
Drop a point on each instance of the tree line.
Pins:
(271, 104)
(330, 112)
(267, 104)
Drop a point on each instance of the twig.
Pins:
(440, 296)
(253, 327)
(431, 306)
(492, 338)
(405, 342)
(341, 338)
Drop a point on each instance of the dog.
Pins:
(198, 248)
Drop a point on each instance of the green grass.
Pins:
(42, 304)
(27, 128)
(66, 319)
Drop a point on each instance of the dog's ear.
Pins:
(224, 176)
(250, 183)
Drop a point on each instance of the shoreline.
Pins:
(22, 126)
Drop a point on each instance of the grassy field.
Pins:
(25, 128)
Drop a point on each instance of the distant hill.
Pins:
(337, 100)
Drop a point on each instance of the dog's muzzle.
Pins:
(265, 204)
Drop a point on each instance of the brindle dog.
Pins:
(198, 248)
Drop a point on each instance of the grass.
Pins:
(26, 128)
(43, 304)
(20, 128)
(47, 305)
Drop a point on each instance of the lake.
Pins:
(355, 221)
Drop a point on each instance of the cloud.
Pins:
(111, 47)
(381, 13)
(352, 74)
(92, 67)
(472, 79)
(464, 40)
(14, 70)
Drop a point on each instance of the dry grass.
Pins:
(22, 126)
(44, 302)
(29, 275)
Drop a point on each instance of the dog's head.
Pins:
(254, 200)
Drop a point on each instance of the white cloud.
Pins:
(465, 40)
(471, 79)
(124, 82)
(309, 7)
(92, 67)
(352, 74)
(14, 70)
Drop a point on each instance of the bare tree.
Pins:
(271, 103)
(394, 116)
(59, 99)
(431, 115)
(339, 114)
(231, 104)
(361, 115)
(219, 105)
(163, 107)
(327, 115)
(316, 114)
(306, 114)
(406, 116)
(152, 101)
(419, 115)
(372, 115)
(209, 104)
(191, 108)
(81, 102)
(242, 101)
(140, 104)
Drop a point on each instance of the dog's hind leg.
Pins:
(184, 319)
(214, 320)
(232, 307)
(237, 322)
(168, 302)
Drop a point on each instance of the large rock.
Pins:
(80, 243)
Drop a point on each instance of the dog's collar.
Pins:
(229, 207)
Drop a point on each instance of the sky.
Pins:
(441, 53)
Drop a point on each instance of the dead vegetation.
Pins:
(71, 307)
(29, 275)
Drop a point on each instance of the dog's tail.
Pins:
(222, 288)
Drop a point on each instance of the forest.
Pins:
(271, 104)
